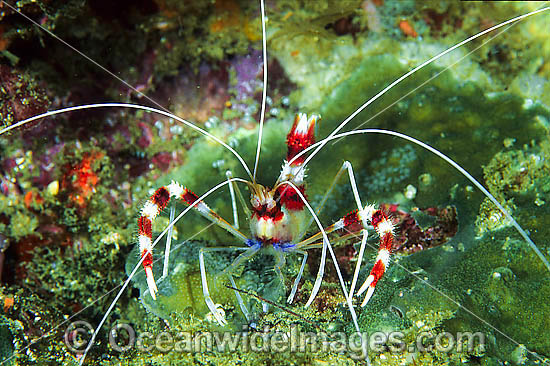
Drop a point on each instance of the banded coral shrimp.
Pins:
(433, 255)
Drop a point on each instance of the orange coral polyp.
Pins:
(81, 179)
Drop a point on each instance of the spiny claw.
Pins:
(384, 228)
(366, 284)
(151, 282)
(376, 273)
(370, 285)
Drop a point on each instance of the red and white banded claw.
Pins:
(151, 209)
(384, 227)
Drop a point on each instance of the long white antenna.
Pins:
(483, 43)
(132, 106)
(406, 75)
(264, 92)
(454, 165)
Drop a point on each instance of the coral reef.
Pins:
(71, 186)
(20, 97)
(516, 175)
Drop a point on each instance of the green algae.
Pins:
(456, 114)
(517, 175)
(420, 311)
(20, 96)
(467, 112)
(182, 291)
(453, 115)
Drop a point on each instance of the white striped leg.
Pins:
(229, 175)
(149, 212)
(168, 242)
(345, 166)
(248, 252)
(237, 191)
(298, 277)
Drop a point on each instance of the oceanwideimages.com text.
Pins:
(122, 338)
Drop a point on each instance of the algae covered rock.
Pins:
(71, 222)
(6, 344)
(181, 291)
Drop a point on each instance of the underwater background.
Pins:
(72, 185)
